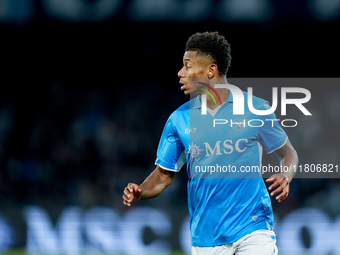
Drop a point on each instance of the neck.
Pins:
(222, 93)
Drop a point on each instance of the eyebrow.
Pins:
(187, 59)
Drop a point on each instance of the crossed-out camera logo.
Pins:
(238, 105)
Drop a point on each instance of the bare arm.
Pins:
(289, 159)
(153, 185)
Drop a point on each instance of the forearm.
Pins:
(289, 160)
(155, 183)
(290, 164)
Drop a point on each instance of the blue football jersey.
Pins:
(227, 197)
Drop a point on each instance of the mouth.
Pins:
(183, 87)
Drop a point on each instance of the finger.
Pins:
(275, 184)
(130, 187)
(125, 200)
(126, 203)
(136, 189)
(138, 192)
(128, 199)
(282, 197)
(284, 183)
(127, 192)
(276, 191)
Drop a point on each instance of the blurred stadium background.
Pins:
(86, 87)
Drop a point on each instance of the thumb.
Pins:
(139, 192)
(133, 187)
(136, 189)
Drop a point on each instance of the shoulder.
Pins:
(182, 111)
(179, 118)
(185, 107)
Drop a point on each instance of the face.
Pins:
(193, 67)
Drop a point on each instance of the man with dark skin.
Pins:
(244, 223)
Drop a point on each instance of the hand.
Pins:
(281, 184)
(132, 194)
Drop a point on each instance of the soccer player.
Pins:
(230, 209)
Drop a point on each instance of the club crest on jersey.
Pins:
(194, 150)
(238, 124)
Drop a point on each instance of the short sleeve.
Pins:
(271, 134)
(170, 153)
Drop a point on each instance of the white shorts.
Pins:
(260, 242)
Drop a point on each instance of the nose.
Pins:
(181, 73)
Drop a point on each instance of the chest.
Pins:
(223, 130)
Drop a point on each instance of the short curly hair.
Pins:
(214, 45)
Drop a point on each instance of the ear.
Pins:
(212, 71)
